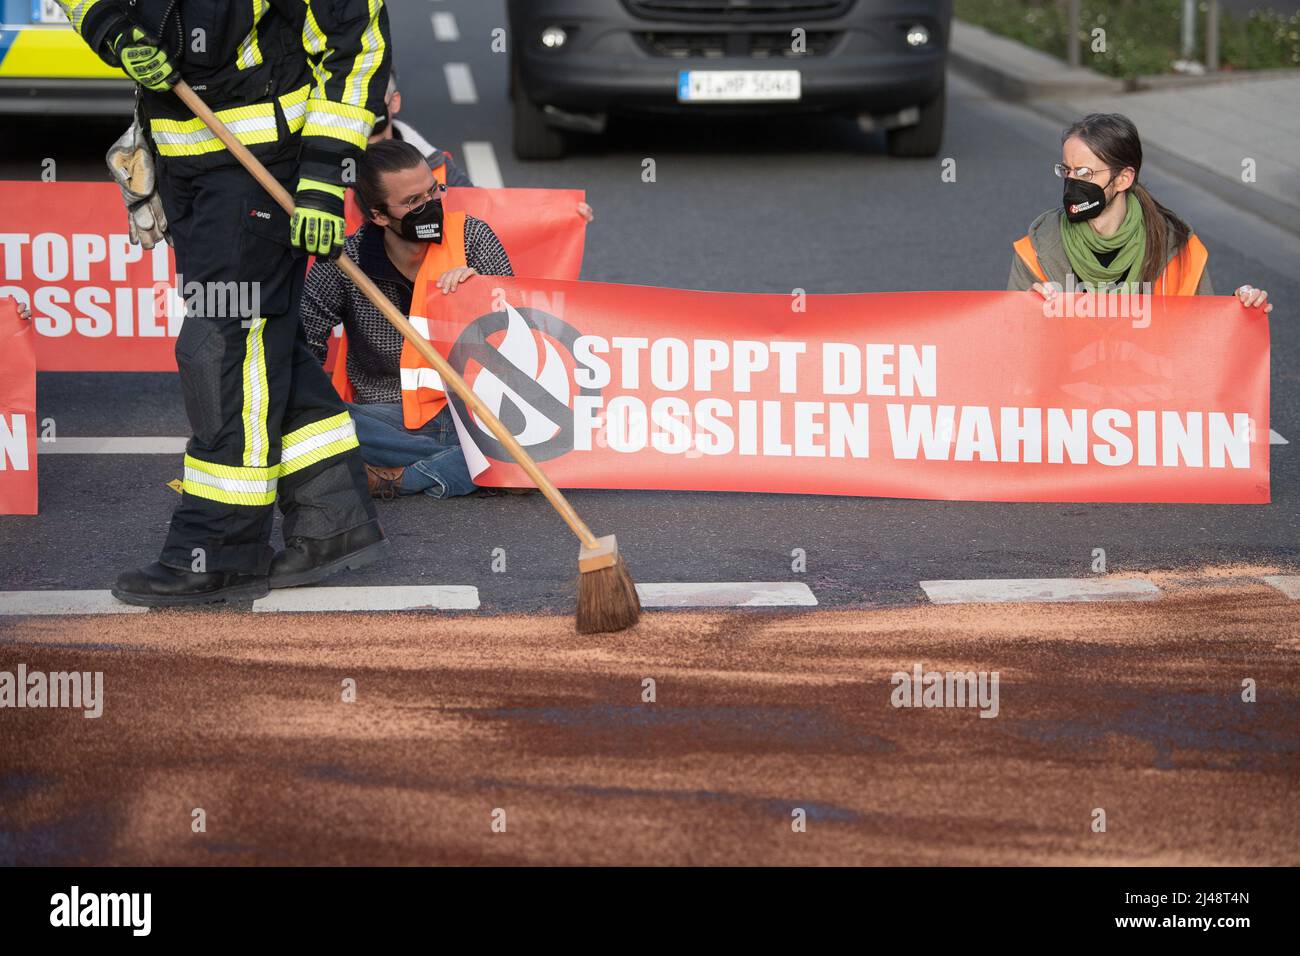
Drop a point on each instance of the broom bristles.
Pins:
(607, 599)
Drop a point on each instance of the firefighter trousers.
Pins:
(267, 426)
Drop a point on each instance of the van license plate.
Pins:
(737, 86)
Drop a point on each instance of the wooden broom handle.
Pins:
(449, 375)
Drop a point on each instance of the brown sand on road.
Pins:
(1132, 708)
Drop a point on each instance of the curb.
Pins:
(1012, 71)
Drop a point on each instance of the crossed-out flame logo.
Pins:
(524, 380)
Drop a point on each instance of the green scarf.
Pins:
(1125, 270)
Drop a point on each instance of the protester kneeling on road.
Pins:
(1109, 232)
(405, 222)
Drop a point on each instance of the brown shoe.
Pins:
(383, 482)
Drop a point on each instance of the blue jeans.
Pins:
(431, 456)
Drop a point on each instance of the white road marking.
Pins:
(113, 446)
(1035, 590)
(460, 83)
(446, 597)
(727, 594)
(481, 165)
(63, 602)
(444, 27)
(1288, 584)
(1275, 439)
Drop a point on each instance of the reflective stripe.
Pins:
(256, 443)
(351, 124)
(250, 54)
(422, 377)
(229, 484)
(338, 192)
(294, 107)
(314, 42)
(365, 65)
(317, 441)
(250, 124)
(77, 11)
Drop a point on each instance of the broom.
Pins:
(607, 598)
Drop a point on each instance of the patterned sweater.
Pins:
(375, 347)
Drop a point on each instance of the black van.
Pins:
(574, 62)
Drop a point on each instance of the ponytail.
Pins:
(1166, 233)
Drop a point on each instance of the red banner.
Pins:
(101, 304)
(17, 413)
(944, 395)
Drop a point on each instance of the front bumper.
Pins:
(33, 96)
(615, 62)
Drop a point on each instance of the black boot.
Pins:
(308, 560)
(160, 586)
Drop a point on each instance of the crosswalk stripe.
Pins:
(727, 594)
(1036, 590)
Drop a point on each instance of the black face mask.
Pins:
(1083, 200)
(424, 226)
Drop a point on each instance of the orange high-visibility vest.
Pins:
(425, 397)
(422, 391)
(1181, 275)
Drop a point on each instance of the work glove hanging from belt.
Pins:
(317, 226)
(144, 60)
(130, 160)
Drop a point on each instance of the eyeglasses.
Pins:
(417, 206)
(1078, 172)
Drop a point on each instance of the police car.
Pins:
(46, 68)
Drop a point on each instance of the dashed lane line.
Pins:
(1039, 590)
(460, 83)
(444, 27)
(481, 165)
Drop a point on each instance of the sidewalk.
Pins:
(1202, 132)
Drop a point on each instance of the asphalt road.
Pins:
(756, 206)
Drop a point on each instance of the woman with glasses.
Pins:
(1110, 231)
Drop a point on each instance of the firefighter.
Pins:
(298, 82)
